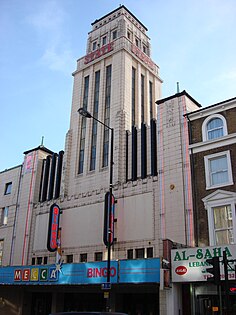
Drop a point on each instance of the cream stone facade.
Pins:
(119, 84)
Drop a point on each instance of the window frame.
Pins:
(98, 256)
(83, 257)
(222, 229)
(69, 258)
(4, 216)
(8, 186)
(140, 253)
(1, 251)
(219, 198)
(207, 160)
(114, 34)
(205, 123)
(104, 40)
(94, 45)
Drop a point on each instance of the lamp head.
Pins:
(83, 112)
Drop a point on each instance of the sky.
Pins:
(193, 42)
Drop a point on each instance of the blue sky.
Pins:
(193, 42)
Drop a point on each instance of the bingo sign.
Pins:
(53, 227)
(189, 264)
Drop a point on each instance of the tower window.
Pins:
(133, 94)
(114, 34)
(94, 45)
(150, 99)
(142, 98)
(104, 40)
(94, 129)
(107, 116)
(83, 126)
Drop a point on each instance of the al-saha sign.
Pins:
(189, 264)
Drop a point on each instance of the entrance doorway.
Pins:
(41, 303)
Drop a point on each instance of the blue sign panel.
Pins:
(124, 271)
(83, 273)
(143, 270)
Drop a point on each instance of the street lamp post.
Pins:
(86, 114)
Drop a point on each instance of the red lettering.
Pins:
(90, 273)
(26, 275)
(142, 56)
(56, 211)
(54, 227)
(98, 53)
(113, 271)
(17, 275)
(100, 272)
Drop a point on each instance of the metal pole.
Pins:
(225, 261)
(86, 114)
(109, 218)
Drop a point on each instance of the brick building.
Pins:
(213, 158)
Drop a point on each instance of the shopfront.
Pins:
(189, 270)
(40, 290)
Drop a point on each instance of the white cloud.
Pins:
(58, 61)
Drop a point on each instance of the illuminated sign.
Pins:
(98, 53)
(53, 227)
(124, 271)
(109, 213)
(100, 272)
(142, 56)
(189, 264)
(35, 274)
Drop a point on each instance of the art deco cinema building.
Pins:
(119, 84)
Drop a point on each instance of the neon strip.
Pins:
(161, 175)
(28, 212)
(187, 172)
